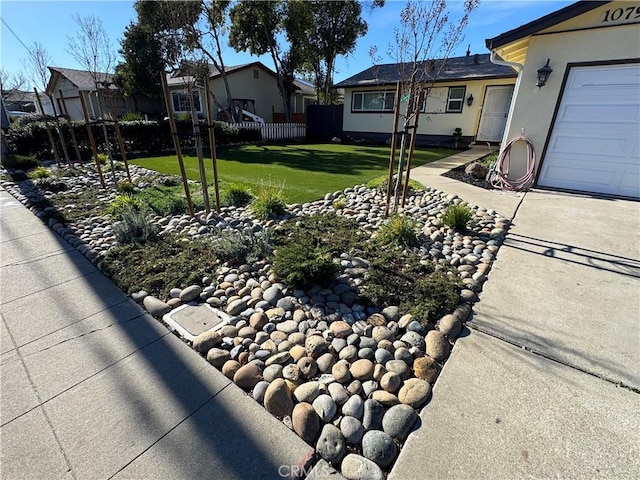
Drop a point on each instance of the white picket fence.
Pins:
(277, 131)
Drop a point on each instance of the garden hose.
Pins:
(500, 177)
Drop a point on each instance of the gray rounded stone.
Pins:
(338, 393)
(155, 306)
(399, 420)
(352, 429)
(272, 295)
(373, 413)
(258, 391)
(206, 341)
(379, 447)
(217, 357)
(307, 392)
(382, 356)
(413, 339)
(287, 327)
(354, 407)
(190, 293)
(355, 467)
(399, 367)
(325, 362)
(325, 407)
(331, 445)
(437, 345)
(236, 307)
(414, 392)
(272, 372)
(450, 325)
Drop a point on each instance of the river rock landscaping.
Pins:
(338, 335)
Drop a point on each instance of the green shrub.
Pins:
(123, 203)
(38, 173)
(125, 186)
(117, 166)
(457, 216)
(135, 227)
(339, 203)
(398, 230)
(490, 160)
(381, 183)
(164, 200)
(102, 158)
(302, 264)
(20, 162)
(236, 195)
(269, 202)
(132, 117)
(236, 248)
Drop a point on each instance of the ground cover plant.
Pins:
(309, 171)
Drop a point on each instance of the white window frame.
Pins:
(388, 101)
(181, 102)
(453, 100)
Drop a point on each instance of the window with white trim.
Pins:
(181, 102)
(455, 99)
(379, 101)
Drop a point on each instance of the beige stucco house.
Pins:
(469, 92)
(254, 88)
(584, 122)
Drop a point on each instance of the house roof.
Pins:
(82, 79)
(16, 96)
(543, 23)
(470, 67)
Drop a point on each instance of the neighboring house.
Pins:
(20, 101)
(584, 121)
(254, 88)
(72, 83)
(470, 93)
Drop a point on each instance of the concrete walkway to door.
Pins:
(545, 381)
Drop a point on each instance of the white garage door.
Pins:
(594, 146)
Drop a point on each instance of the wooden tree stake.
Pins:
(49, 134)
(116, 125)
(392, 157)
(212, 142)
(92, 141)
(74, 140)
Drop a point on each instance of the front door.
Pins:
(495, 110)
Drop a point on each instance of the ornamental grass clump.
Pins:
(269, 201)
(39, 173)
(399, 230)
(457, 216)
(134, 227)
(123, 203)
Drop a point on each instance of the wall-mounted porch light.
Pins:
(543, 74)
(470, 100)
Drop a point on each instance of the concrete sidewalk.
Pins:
(93, 387)
(545, 381)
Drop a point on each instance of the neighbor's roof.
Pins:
(471, 67)
(543, 23)
(80, 78)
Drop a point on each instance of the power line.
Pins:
(17, 37)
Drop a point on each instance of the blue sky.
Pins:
(51, 23)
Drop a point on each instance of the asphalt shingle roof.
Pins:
(470, 67)
(81, 78)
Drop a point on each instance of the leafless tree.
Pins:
(12, 83)
(426, 38)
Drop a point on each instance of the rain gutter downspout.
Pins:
(519, 67)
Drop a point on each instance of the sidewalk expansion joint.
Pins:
(202, 405)
(617, 383)
(22, 236)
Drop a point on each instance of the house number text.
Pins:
(622, 13)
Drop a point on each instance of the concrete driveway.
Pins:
(545, 381)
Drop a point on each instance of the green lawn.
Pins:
(308, 171)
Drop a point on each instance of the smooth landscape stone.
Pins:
(385, 398)
(325, 407)
(341, 329)
(291, 372)
(190, 293)
(414, 392)
(399, 420)
(355, 467)
(280, 358)
(308, 367)
(403, 354)
(230, 368)
(325, 362)
(390, 382)
(272, 295)
(258, 320)
(337, 344)
(277, 398)
(426, 368)
(298, 352)
(437, 345)
(297, 338)
(373, 413)
(351, 429)
(355, 387)
(206, 341)
(259, 390)
(247, 376)
(316, 345)
(379, 447)
(366, 353)
(272, 372)
(398, 367)
(307, 392)
(155, 306)
(450, 325)
(236, 306)
(354, 407)
(382, 356)
(340, 372)
(306, 422)
(349, 353)
(217, 357)
(378, 372)
(338, 393)
(362, 369)
(287, 327)
(331, 445)
(391, 313)
(413, 339)
(377, 319)
(369, 387)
